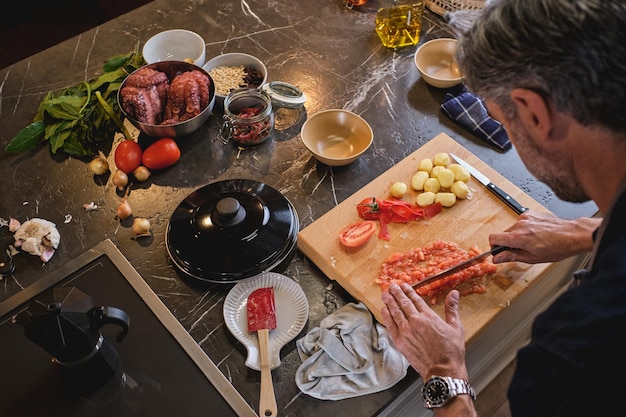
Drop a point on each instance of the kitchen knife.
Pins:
(456, 268)
(499, 192)
(261, 319)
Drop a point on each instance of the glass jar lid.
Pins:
(230, 230)
(284, 94)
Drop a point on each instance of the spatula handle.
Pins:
(267, 402)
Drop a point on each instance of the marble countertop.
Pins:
(333, 55)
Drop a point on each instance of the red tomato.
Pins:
(161, 154)
(356, 234)
(128, 156)
(368, 209)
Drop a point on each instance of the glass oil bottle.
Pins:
(399, 22)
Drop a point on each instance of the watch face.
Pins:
(436, 392)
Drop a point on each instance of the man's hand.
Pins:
(433, 346)
(539, 237)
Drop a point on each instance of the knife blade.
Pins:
(261, 319)
(456, 268)
(499, 192)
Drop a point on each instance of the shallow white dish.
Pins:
(292, 313)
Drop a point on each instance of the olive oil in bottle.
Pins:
(399, 22)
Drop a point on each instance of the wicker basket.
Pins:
(442, 6)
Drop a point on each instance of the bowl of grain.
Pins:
(232, 71)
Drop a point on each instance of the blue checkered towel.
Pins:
(470, 112)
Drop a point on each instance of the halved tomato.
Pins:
(356, 234)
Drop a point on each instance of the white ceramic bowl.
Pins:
(336, 137)
(435, 62)
(175, 45)
(234, 59)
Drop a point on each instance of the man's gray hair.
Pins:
(572, 52)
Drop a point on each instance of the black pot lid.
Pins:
(231, 230)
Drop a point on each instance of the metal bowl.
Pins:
(171, 69)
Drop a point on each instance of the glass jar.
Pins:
(248, 117)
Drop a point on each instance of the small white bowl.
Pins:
(435, 62)
(336, 137)
(175, 45)
(234, 59)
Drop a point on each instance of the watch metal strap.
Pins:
(460, 386)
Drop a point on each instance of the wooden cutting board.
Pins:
(467, 223)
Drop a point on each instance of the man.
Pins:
(554, 73)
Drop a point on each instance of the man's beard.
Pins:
(559, 174)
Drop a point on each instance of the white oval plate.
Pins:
(292, 312)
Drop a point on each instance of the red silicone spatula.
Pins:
(261, 319)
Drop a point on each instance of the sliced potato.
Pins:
(460, 173)
(425, 165)
(398, 189)
(445, 177)
(441, 159)
(418, 180)
(460, 189)
(445, 199)
(432, 184)
(425, 199)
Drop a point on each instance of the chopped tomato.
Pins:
(356, 234)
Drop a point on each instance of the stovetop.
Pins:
(162, 372)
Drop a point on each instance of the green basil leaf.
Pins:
(73, 146)
(57, 141)
(27, 138)
(64, 108)
(116, 62)
(108, 77)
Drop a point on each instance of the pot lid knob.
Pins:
(229, 212)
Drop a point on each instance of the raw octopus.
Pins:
(144, 95)
(188, 96)
(150, 98)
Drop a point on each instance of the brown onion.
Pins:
(120, 179)
(141, 173)
(141, 226)
(123, 210)
(99, 165)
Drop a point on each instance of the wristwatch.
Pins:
(438, 390)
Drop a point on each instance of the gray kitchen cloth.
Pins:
(347, 356)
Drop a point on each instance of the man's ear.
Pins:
(533, 112)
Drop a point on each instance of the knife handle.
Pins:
(507, 199)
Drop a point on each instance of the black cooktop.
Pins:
(163, 371)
